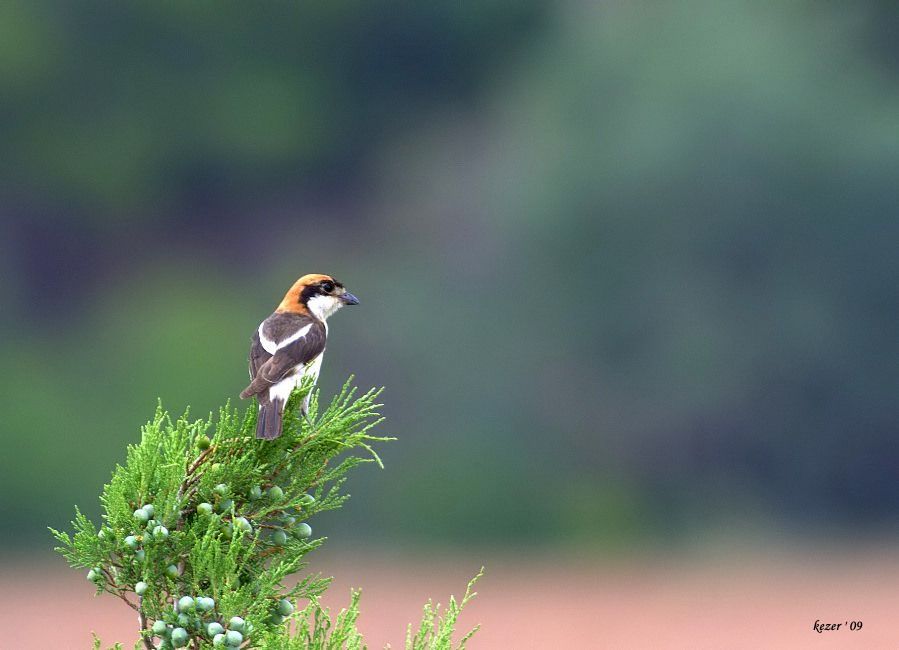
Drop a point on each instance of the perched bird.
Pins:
(289, 345)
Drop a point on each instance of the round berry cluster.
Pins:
(149, 529)
(281, 523)
(260, 514)
(196, 618)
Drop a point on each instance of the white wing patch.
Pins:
(271, 347)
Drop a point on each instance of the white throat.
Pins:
(323, 306)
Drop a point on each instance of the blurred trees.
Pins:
(642, 252)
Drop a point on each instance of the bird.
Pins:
(289, 346)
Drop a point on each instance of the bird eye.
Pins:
(327, 286)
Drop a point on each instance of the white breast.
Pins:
(314, 367)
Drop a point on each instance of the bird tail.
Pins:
(270, 420)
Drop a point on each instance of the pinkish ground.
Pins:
(538, 602)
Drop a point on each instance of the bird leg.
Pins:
(304, 408)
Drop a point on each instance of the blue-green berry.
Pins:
(219, 639)
(140, 554)
(228, 530)
(152, 524)
(233, 638)
(288, 520)
(243, 524)
(275, 619)
(172, 571)
(142, 515)
(183, 620)
(140, 588)
(205, 604)
(226, 505)
(275, 493)
(131, 542)
(149, 509)
(215, 628)
(204, 508)
(237, 623)
(221, 489)
(160, 628)
(303, 530)
(279, 538)
(255, 493)
(285, 607)
(160, 532)
(203, 442)
(307, 500)
(179, 637)
(186, 604)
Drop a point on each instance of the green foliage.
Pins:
(98, 644)
(317, 630)
(435, 632)
(212, 522)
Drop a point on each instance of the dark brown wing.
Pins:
(286, 359)
(258, 355)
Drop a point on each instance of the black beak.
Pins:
(349, 299)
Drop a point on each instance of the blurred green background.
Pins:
(627, 269)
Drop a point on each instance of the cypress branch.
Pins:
(203, 523)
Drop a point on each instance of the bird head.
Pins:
(320, 295)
